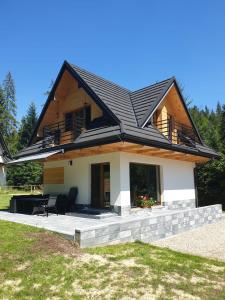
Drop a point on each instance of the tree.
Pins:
(29, 173)
(26, 174)
(27, 126)
(211, 176)
(222, 128)
(49, 88)
(8, 112)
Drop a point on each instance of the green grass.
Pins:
(35, 264)
(4, 201)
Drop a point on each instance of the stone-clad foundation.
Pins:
(148, 228)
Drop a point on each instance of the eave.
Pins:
(130, 144)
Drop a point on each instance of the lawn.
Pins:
(4, 201)
(36, 264)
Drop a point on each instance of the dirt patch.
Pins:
(213, 268)
(52, 243)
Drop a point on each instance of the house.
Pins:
(115, 144)
(4, 158)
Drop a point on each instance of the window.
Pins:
(75, 121)
(69, 121)
(144, 180)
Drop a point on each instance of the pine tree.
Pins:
(8, 112)
(27, 126)
(210, 176)
(2, 110)
(222, 129)
(29, 173)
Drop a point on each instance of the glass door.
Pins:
(100, 185)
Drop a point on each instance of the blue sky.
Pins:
(133, 43)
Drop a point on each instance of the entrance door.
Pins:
(100, 185)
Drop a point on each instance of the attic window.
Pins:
(75, 121)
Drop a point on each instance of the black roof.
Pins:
(4, 151)
(128, 110)
(146, 100)
(114, 96)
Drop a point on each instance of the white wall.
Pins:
(177, 180)
(177, 177)
(2, 176)
(79, 174)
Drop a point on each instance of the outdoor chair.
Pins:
(51, 205)
(46, 208)
(73, 192)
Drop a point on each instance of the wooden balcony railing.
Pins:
(177, 133)
(60, 133)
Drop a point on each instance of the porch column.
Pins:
(120, 185)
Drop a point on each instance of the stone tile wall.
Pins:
(180, 204)
(149, 228)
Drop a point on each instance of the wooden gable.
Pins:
(172, 117)
(172, 105)
(68, 97)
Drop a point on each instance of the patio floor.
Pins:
(67, 224)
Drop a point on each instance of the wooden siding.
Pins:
(173, 106)
(129, 148)
(54, 175)
(68, 98)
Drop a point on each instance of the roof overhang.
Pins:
(36, 157)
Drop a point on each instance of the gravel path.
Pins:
(207, 241)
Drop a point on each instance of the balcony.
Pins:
(177, 133)
(60, 133)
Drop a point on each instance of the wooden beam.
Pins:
(128, 148)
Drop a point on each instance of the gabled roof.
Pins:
(116, 98)
(128, 110)
(4, 151)
(147, 99)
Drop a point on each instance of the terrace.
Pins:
(176, 132)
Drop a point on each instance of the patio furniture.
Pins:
(72, 196)
(51, 205)
(24, 204)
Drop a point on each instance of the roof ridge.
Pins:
(151, 85)
(102, 78)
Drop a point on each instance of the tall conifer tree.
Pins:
(8, 112)
(27, 126)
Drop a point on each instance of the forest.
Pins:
(210, 177)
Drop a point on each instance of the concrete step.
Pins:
(100, 216)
